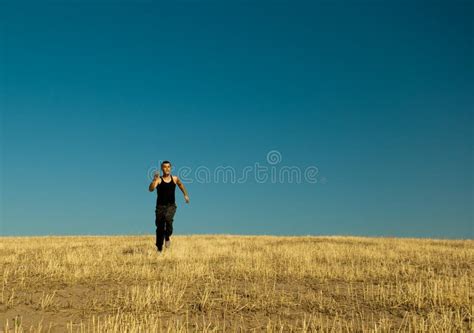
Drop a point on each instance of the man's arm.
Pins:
(183, 189)
(154, 183)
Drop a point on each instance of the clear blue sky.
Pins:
(376, 94)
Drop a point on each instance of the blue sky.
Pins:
(376, 94)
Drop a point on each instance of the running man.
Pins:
(165, 203)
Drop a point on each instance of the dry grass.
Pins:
(235, 283)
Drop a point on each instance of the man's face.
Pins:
(166, 168)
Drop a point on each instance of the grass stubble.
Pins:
(210, 283)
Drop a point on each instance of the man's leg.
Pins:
(169, 217)
(160, 227)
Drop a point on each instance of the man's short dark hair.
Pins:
(165, 162)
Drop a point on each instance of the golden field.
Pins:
(209, 283)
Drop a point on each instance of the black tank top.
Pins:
(165, 192)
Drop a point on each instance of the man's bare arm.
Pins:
(154, 183)
(183, 189)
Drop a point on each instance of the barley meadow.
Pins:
(233, 283)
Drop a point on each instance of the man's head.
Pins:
(166, 167)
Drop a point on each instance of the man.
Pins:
(165, 203)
